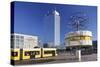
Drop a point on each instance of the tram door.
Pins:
(32, 54)
(53, 53)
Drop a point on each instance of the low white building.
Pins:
(78, 38)
(23, 41)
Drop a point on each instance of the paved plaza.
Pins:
(61, 58)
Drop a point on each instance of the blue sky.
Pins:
(28, 17)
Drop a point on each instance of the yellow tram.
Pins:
(23, 54)
(15, 54)
(48, 52)
(31, 53)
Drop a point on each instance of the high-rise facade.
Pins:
(52, 29)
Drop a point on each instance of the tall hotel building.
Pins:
(52, 29)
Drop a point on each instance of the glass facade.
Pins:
(19, 41)
(23, 41)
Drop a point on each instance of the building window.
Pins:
(19, 41)
(37, 52)
(17, 37)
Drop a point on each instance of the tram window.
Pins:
(37, 52)
(14, 53)
(32, 52)
(48, 52)
(26, 53)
